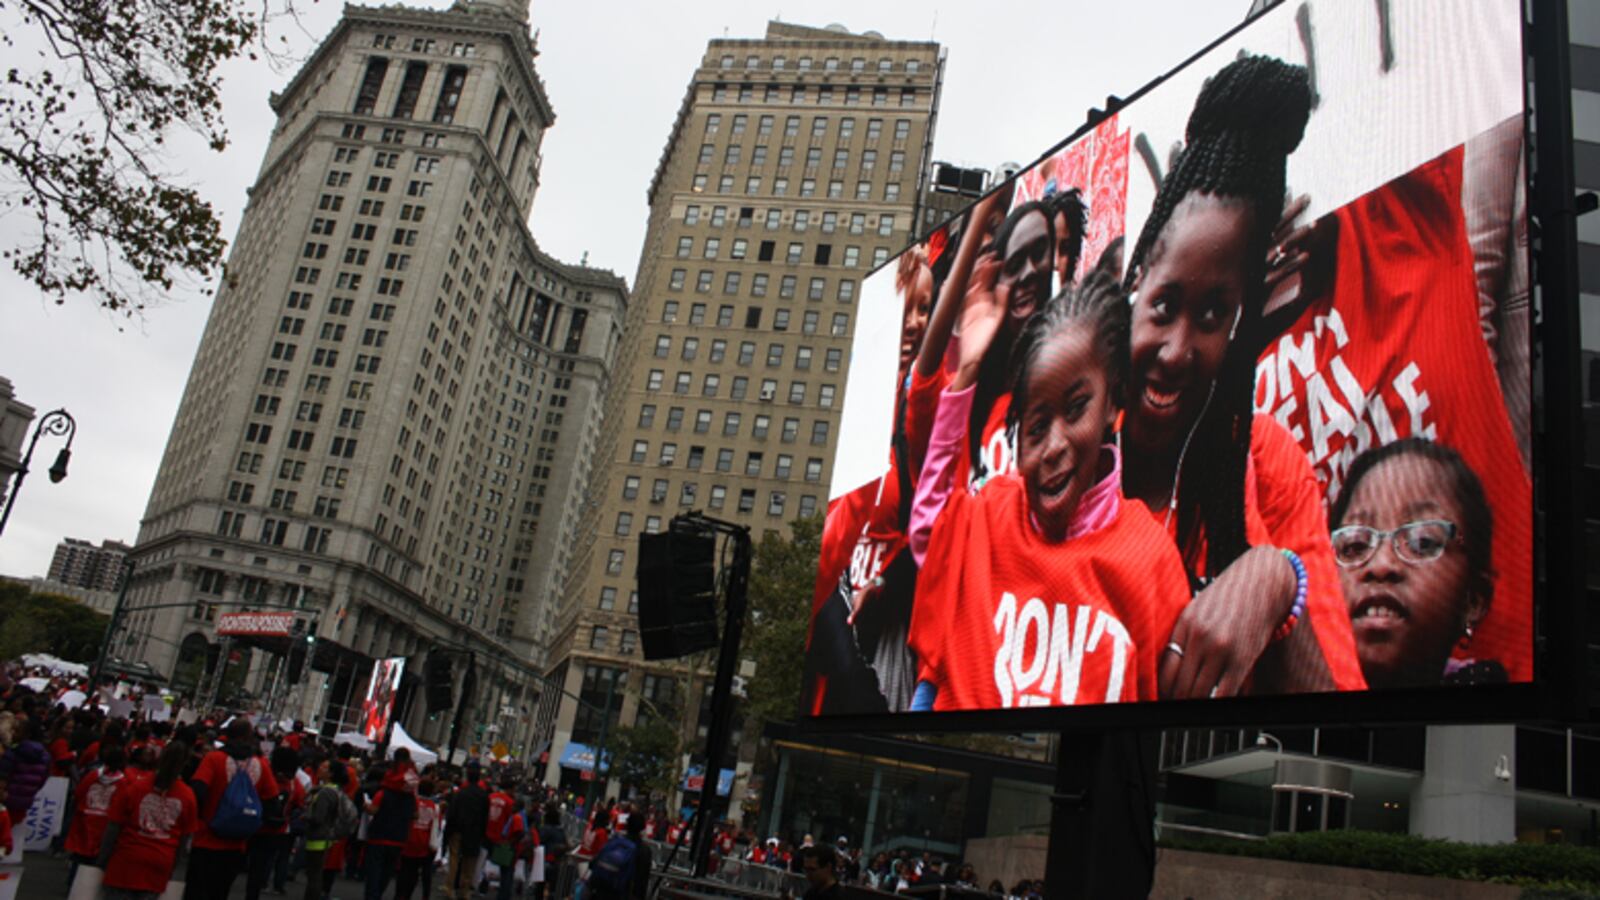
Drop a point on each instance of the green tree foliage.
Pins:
(783, 575)
(48, 623)
(92, 91)
(645, 756)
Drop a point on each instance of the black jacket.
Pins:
(468, 816)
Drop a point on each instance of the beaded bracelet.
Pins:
(1300, 587)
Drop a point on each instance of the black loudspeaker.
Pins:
(439, 682)
(677, 592)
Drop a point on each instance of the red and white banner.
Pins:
(255, 623)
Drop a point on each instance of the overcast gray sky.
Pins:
(1020, 77)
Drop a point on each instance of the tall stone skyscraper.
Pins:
(792, 170)
(389, 424)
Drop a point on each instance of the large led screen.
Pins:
(378, 706)
(1227, 396)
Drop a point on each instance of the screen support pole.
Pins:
(1102, 818)
(736, 597)
(467, 683)
(1560, 650)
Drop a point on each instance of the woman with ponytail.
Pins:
(1233, 489)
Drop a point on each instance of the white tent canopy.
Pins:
(56, 665)
(420, 755)
(354, 738)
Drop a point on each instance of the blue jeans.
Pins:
(382, 861)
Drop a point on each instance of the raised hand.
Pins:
(982, 315)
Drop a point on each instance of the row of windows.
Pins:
(828, 221)
(800, 93)
(690, 348)
(426, 45)
(766, 251)
(810, 320)
(783, 470)
(733, 282)
(600, 639)
(739, 387)
(829, 64)
(738, 123)
(732, 421)
(808, 187)
(274, 531)
(733, 155)
(724, 457)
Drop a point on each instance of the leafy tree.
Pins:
(644, 755)
(783, 574)
(48, 623)
(93, 91)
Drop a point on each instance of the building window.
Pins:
(599, 638)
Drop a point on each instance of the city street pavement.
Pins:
(44, 877)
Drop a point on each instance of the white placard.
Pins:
(46, 815)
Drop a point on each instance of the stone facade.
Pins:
(392, 414)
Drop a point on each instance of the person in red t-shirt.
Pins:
(151, 822)
(422, 842)
(91, 807)
(216, 861)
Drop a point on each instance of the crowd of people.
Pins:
(216, 802)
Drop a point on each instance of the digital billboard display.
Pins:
(1227, 396)
(378, 706)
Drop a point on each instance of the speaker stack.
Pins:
(677, 592)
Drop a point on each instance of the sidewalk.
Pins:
(44, 877)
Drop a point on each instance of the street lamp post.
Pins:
(55, 422)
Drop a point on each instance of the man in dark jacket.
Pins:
(819, 864)
(392, 808)
(465, 821)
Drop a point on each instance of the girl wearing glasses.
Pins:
(1412, 533)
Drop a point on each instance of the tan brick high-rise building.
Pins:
(392, 414)
(792, 170)
(79, 563)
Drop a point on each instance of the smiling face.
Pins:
(1067, 408)
(1024, 281)
(919, 299)
(1190, 294)
(1407, 615)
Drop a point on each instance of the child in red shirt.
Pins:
(1045, 587)
(91, 805)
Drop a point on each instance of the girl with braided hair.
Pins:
(1049, 588)
(1233, 489)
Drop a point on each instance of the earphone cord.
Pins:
(1177, 475)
